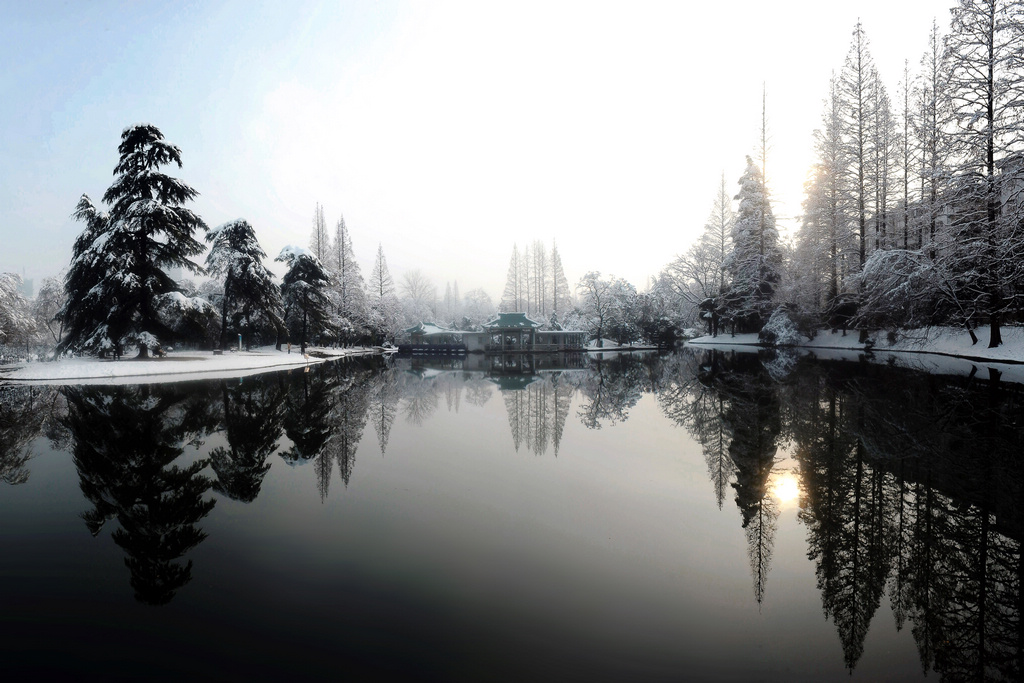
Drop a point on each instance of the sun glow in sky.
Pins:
(445, 131)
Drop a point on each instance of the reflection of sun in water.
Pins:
(786, 488)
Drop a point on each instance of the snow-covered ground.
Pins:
(938, 340)
(610, 345)
(175, 367)
(946, 351)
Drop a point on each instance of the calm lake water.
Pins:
(694, 516)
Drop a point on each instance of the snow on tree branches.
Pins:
(250, 292)
(118, 271)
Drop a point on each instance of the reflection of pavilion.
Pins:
(501, 365)
(508, 333)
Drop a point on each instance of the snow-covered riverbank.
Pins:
(942, 341)
(175, 367)
(944, 351)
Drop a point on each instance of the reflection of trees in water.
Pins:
(25, 413)
(687, 396)
(731, 407)
(252, 412)
(419, 400)
(609, 389)
(385, 393)
(750, 414)
(911, 487)
(351, 402)
(307, 416)
(326, 413)
(537, 412)
(913, 484)
(125, 443)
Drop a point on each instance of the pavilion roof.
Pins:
(506, 321)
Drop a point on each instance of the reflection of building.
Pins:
(508, 333)
(506, 364)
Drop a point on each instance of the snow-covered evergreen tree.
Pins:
(755, 264)
(304, 291)
(349, 289)
(249, 290)
(118, 274)
(385, 308)
(84, 310)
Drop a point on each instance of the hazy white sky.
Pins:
(445, 131)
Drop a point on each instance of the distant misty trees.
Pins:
(536, 284)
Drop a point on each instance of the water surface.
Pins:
(713, 516)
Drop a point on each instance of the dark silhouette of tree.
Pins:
(307, 423)
(753, 419)
(253, 415)
(124, 446)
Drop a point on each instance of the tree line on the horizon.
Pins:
(914, 209)
(913, 217)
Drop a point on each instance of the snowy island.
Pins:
(174, 367)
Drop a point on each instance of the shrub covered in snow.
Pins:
(780, 330)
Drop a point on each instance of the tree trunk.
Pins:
(974, 337)
(995, 335)
(302, 342)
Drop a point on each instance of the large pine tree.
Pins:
(117, 279)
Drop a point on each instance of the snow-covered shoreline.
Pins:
(175, 367)
(942, 341)
(944, 351)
